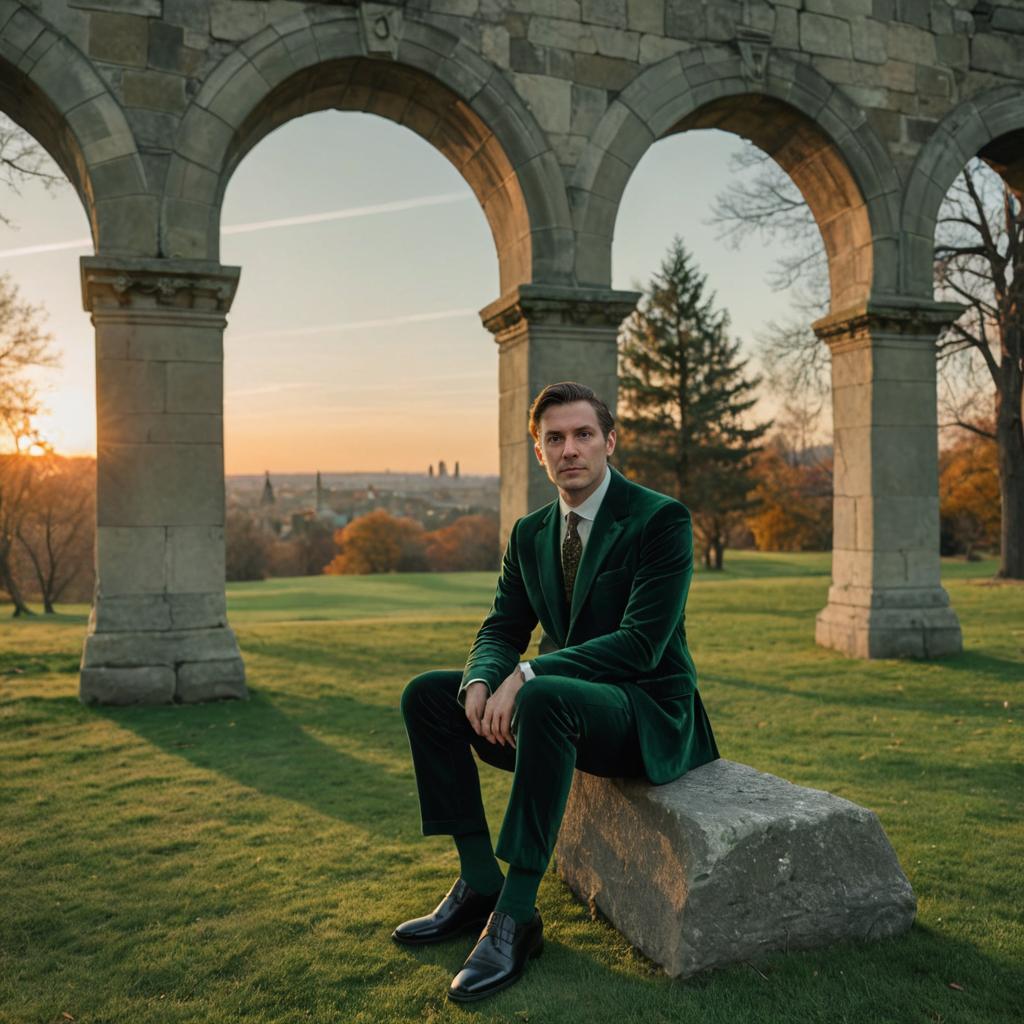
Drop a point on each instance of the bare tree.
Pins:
(979, 253)
(23, 160)
(24, 346)
(16, 479)
(55, 531)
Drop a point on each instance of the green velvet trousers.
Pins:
(560, 724)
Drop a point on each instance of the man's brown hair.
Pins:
(561, 394)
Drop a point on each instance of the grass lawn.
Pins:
(247, 861)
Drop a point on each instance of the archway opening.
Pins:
(355, 349)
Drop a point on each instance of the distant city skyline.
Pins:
(378, 358)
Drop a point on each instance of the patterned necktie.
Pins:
(572, 549)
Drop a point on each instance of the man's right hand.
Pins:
(476, 701)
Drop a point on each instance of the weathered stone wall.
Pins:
(545, 107)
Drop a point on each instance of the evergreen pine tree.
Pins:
(683, 396)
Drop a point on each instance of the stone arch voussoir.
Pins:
(807, 125)
(989, 125)
(429, 80)
(49, 87)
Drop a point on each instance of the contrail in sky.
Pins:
(371, 210)
(391, 321)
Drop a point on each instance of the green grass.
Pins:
(247, 861)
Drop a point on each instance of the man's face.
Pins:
(572, 449)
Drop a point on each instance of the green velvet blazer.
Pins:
(626, 626)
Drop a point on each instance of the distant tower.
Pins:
(442, 469)
(321, 495)
(430, 471)
(456, 469)
(267, 497)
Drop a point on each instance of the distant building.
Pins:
(442, 468)
(456, 469)
(267, 497)
(430, 470)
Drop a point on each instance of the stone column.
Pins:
(158, 631)
(886, 600)
(546, 334)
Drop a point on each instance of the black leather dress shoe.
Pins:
(462, 910)
(499, 957)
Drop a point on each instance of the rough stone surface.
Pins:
(728, 863)
(211, 680)
(151, 684)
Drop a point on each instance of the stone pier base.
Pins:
(728, 863)
(171, 666)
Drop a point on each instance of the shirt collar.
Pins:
(588, 510)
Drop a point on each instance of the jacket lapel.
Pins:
(549, 568)
(608, 524)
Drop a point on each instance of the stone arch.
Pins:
(989, 125)
(801, 120)
(428, 80)
(52, 90)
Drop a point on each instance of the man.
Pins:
(605, 569)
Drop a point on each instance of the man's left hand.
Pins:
(497, 720)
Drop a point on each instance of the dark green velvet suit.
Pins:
(626, 627)
(614, 693)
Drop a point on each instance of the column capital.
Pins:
(891, 316)
(199, 286)
(559, 306)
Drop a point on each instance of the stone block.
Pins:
(195, 559)
(614, 42)
(869, 40)
(166, 43)
(155, 90)
(119, 38)
(127, 385)
(655, 48)
(130, 560)
(588, 106)
(549, 100)
(195, 387)
(198, 611)
(685, 19)
(64, 76)
(235, 20)
(993, 53)
(1007, 19)
(786, 35)
(646, 16)
(566, 35)
(130, 613)
(211, 680)
(163, 428)
(610, 73)
(120, 177)
(910, 44)
(163, 647)
(822, 34)
(137, 685)
(100, 130)
(605, 12)
(192, 342)
(160, 485)
(728, 863)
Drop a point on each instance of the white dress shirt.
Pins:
(587, 511)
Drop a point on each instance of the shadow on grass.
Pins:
(260, 745)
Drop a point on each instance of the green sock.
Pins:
(519, 893)
(477, 864)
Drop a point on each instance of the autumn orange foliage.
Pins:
(379, 542)
(793, 503)
(969, 501)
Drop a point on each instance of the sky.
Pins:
(354, 341)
